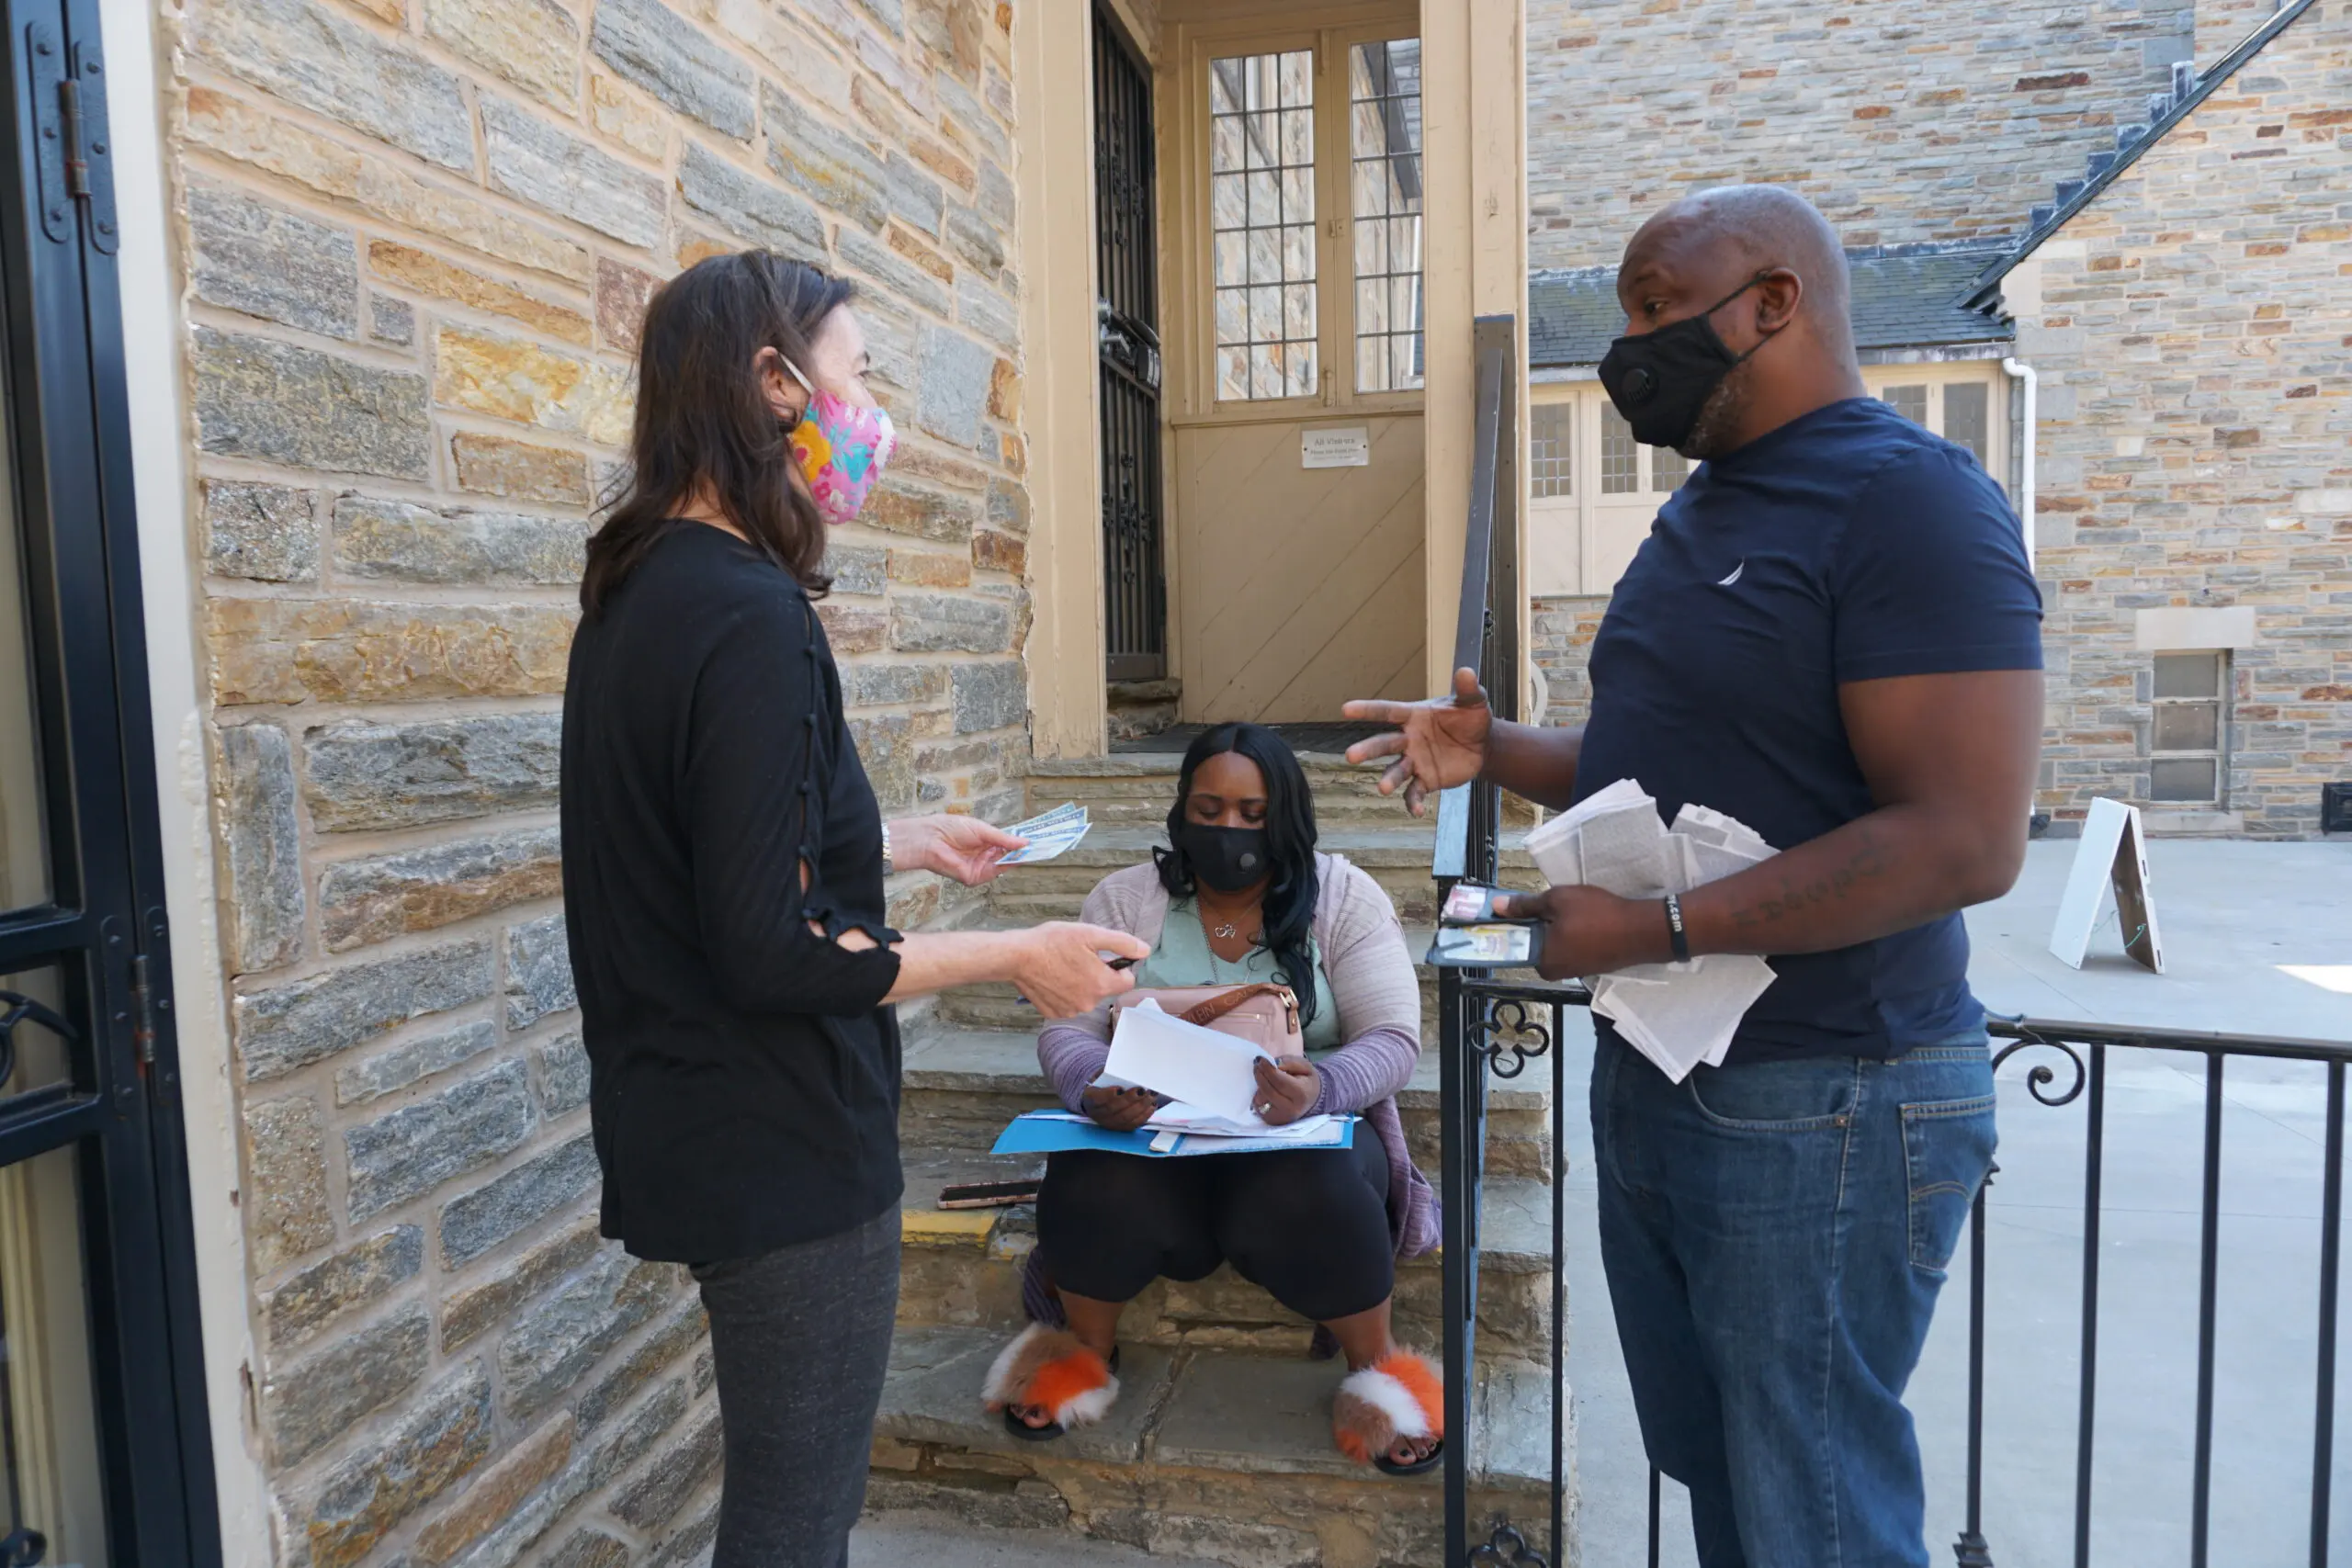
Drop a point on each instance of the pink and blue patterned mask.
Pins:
(841, 449)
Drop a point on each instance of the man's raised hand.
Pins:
(1436, 744)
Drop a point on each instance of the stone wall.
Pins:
(416, 237)
(2194, 335)
(1935, 120)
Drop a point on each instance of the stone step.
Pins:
(961, 1269)
(1211, 1455)
(960, 1086)
(1136, 789)
(1398, 857)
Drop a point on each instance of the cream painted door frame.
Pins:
(1474, 116)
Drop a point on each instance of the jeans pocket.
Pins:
(1948, 1149)
(1776, 1097)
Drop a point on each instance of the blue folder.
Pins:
(1051, 1132)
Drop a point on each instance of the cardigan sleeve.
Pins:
(756, 741)
(1377, 989)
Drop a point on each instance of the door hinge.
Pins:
(74, 156)
(143, 1010)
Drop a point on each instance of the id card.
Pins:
(1484, 947)
(1470, 903)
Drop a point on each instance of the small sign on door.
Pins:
(1335, 446)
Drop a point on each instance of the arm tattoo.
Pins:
(1868, 860)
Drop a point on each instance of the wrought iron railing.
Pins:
(1489, 1027)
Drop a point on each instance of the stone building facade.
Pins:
(415, 238)
(1932, 121)
(2192, 325)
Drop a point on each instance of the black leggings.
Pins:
(1310, 1225)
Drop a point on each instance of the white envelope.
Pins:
(1209, 1071)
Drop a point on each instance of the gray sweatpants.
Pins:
(800, 1338)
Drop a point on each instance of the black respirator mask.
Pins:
(1230, 860)
(1660, 380)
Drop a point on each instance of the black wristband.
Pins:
(1674, 930)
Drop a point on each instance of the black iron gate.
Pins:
(104, 1443)
(1126, 311)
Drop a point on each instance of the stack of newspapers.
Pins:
(1678, 1015)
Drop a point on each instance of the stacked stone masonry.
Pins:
(1936, 120)
(2194, 336)
(416, 238)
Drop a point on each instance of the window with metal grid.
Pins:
(1911, 402)
(2188, 736)
(1669, 468)
(1385, 186)
(1621, 454)
(1262, 223)
(1968, 417)
(1551, 439)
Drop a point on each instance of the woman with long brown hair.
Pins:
(723, 866)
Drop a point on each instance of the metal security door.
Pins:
(104, 1454)
(1127, 315)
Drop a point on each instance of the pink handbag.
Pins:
(1265, 1014)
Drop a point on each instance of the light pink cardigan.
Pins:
(1373, 982)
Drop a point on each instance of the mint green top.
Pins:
(1183, 957)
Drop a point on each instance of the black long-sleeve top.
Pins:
(743, 1068)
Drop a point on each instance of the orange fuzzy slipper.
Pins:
(1400, 1397)
(1048, 1368)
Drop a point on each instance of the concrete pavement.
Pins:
(2235, 917)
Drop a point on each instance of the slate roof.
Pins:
(1906, 297)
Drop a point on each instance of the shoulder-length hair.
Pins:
(1292, 888)
(704, 421)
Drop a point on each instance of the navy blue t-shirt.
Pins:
(1849, 545)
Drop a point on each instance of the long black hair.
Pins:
(1290, 891)
(702, 415)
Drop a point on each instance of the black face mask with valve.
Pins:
(1659, 380)
(1230, 860)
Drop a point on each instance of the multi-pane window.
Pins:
(1911, 402)
(2187, 737)
(1621, 457)
(1669, 468)
(1550, 442)
(1384, 197)
(1967, 419)
(1262, 223)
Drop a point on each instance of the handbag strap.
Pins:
(1209, 1011)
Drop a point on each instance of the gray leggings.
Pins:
(800, 1339)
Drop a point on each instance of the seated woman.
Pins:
(1242, 897)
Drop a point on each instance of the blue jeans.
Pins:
(1775, 1234)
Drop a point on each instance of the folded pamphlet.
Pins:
(1678, 1015)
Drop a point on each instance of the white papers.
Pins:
(1678, 1015)
(1213, 1074)
(1055, 833)
(1178, 1117)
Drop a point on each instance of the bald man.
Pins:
(1833, 635)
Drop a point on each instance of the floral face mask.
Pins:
(841, 449)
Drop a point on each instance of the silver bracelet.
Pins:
(887, 866)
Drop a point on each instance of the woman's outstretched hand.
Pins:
(964, 848)
(1059, 967)
(1436, 744)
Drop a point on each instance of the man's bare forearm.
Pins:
(1534, 763)
(1897, 868)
